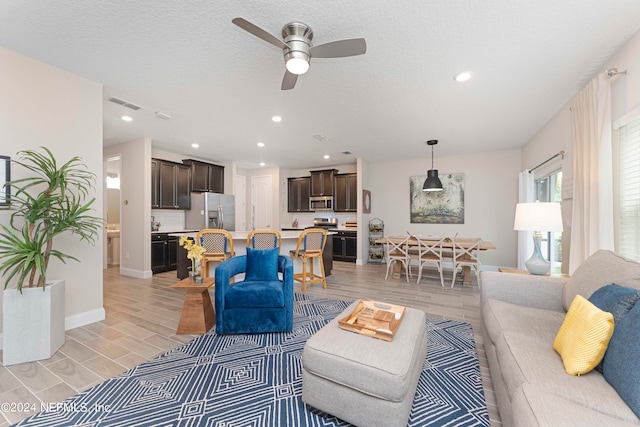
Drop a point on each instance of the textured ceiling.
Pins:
(221, 85)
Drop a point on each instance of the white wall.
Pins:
(44, 106)
(556, 134)
(491, 193)
(135, 220)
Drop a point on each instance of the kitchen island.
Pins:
(289, 242)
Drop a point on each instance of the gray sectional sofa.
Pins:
(521, 317)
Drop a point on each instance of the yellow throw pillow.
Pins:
(583, 337)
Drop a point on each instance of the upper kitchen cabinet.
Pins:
(155, 184)
(322, 182)
(206, 177)
(170, 185)
(299, 189)
(346, 193)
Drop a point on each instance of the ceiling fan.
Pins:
(298, 50)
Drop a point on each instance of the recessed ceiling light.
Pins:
(462, 76)
(263, 164)
(276, 119)
(260, 144)
(326, 156)
(195, 145)
(127, 118)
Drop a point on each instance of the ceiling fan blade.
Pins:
(289, 81)
(339, 49)
(259, 32)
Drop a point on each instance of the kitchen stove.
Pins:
(326, 223)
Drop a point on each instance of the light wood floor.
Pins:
(142, 316)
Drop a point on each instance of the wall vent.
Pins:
(161, 115)
(124, 103)
(320, 137)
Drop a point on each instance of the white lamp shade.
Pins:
(538, 217)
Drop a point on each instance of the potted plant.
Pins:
(50, 202)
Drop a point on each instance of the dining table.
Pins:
(446, 244)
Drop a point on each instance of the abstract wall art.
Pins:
(437, 207)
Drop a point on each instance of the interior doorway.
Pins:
(240, 193)
(261, 202)
(112, 213)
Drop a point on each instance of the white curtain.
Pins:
(526, 194)
(592, 217)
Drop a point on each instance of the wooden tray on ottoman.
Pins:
(374, 319)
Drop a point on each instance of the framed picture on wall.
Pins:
(366, 201)
(5, 176)
(437, 207)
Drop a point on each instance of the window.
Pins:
(629, 190)
(549, 189)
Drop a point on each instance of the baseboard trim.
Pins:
(138, 274)
(86, 318)
(77, 320)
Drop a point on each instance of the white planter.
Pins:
(32, 323)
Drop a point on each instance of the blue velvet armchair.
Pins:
(262, 302)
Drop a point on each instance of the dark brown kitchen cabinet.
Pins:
(345, 246)
(155, 184)
(322, 182)
(346, 193)
(206, 177)
(164, 250)
(298, 194)
(173, 183)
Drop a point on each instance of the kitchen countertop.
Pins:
(173, 231)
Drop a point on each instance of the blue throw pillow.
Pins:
(617, 300)
(262, 264)
(623, 359)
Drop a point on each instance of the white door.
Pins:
(261, 202)
(241, 202)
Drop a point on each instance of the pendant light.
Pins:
(432, 183)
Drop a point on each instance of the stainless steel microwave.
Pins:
(321, 203)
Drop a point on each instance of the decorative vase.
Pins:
(196, 274)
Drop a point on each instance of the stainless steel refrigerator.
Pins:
(211, 210)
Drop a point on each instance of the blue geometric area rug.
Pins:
(256, 380)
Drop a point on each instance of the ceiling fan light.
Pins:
(432, 183)
(297, 65)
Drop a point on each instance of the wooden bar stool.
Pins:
(218, 245)
(310, 246)
(264, 239)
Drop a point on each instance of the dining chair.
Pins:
(310, 247)
(466, 254)
(218, 245)
(430, 252)
(264, 239)
(398, 252)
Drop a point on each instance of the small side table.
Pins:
(197, 315)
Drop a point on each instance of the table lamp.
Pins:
(538, 217)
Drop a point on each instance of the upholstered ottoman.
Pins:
(363, 380)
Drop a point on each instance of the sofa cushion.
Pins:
(535, 406)
(617, 300)
(583, 337)
(600, 269)
(255, 294)
(500, 316)
(523, 360)
(621, 367)
(262, 264)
